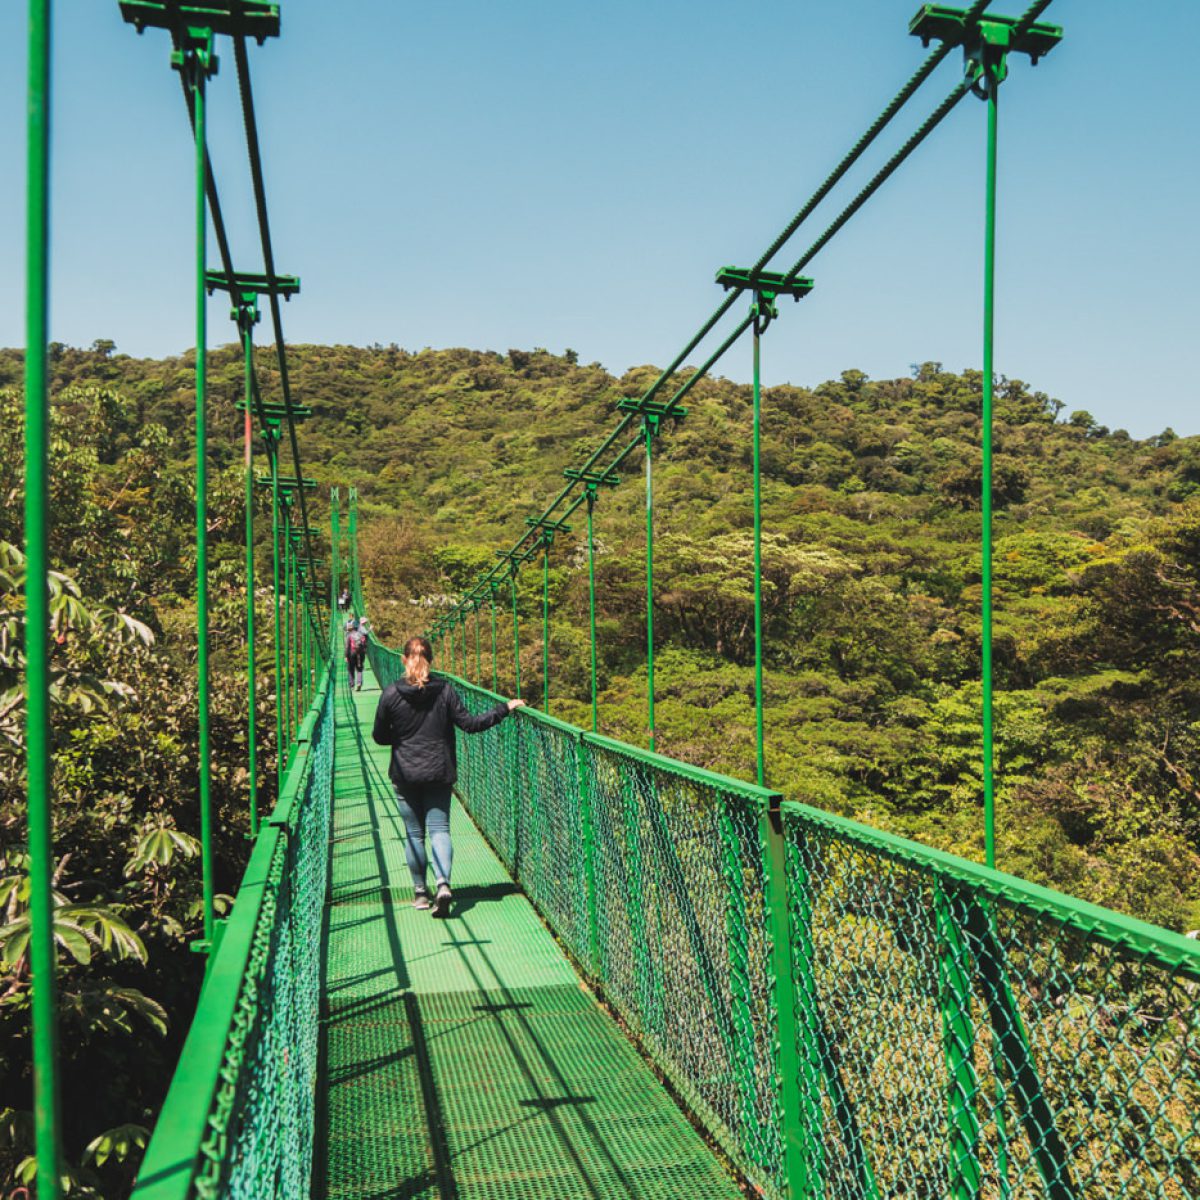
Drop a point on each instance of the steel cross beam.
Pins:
(258, 19)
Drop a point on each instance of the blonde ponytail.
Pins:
(418, 654)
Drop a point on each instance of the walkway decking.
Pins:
(463, 1059)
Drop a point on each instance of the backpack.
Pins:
(358, 642)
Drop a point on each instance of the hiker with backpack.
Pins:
(356, 653)
(417, 716)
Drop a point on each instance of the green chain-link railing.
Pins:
(849, 1014)
(238, 1120)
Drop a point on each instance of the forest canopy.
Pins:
(872, 593)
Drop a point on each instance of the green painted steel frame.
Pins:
(44, 1009)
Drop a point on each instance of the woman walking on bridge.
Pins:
(417, 717)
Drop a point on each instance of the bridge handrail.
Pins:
(846, 1011)
(201, 1143)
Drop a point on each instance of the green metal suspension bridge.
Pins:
(660, 981)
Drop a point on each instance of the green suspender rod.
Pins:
(246, 315)
(650, 427)
(289, 641)
(495, 670)
(516, 634)
(271, 434)
(548, 529)
(591, 557)
(196, 62)
(766, 286)
(37, 610)
(478, 650)
(547, 542)
(986, 43)
(592, 482)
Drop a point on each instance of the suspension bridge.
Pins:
(658, 981)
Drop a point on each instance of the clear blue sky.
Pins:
(571, 175)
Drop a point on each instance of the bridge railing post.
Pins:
(799, 1101)
(587, 818)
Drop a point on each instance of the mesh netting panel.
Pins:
(550, 841)
(957, 1040)
(260, 1128)
(684, 950)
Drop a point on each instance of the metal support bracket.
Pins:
(653, 412)
(193, 54)
(286, 286)
(767, 286)
(592, 480)
(258, 19)
(986, 42)
(276, 412)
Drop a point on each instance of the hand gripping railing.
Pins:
(238, 1119)
(848, 1014)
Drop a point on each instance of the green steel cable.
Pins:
(197, 62)
(547, 541)
(516, 637)
(271, 434)
(591, 555)
(648, 428)
(289, 643)
(881, 176)
(989, 287)
(44, 1008)
(909, 89)
(306, 681)
(245, 324)
(264, 227)
(478, 651)
(756, 437)
(495, 665)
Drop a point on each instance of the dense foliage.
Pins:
(872, 566)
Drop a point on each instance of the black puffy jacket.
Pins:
(418, 724)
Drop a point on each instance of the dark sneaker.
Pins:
(441, 902)
(421, 900)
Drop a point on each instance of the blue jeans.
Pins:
(425, 808)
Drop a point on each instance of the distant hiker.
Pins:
(344, 599)
(417, 717)
(356, 653)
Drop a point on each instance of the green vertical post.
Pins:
(546, 543)
(758, 622)
(37, 608)
(798, 1070)
(195, 62)
(648, 426)
(271, 433)
(591, 553)
(247, 315)
(588, 823)
(989, 288)
(462, 624)
(516, 636)
(958, 1033)
(495, 666)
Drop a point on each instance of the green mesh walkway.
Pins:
(463, 1058)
